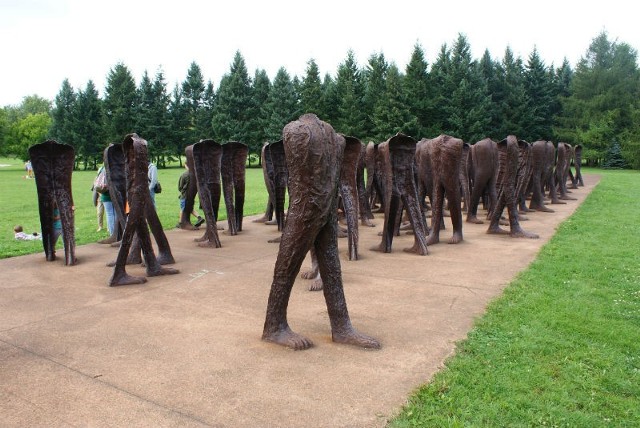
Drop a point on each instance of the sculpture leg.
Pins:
(342, 331)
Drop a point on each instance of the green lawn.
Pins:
(19, 205)
(561, 346)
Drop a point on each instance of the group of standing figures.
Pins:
(324, 173)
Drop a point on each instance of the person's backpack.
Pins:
(100, 182)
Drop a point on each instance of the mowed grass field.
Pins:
(19, 205)
(559, 348)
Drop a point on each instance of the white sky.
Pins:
(45, 41)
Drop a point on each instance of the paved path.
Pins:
(185, 350)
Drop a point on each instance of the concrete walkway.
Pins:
(185, 350)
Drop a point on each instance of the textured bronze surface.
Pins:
(141, 216)
(314, 153)
(192, 190)
(484, 166)
(207, 158)
(53, 166)
(234, 159)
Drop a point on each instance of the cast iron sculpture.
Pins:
(539, 170)
(464, 176)
(53, 165)
(444, 154)
(207, 158)
(314, 152)
(484, 160)
(234, 160)
(114, 165)
(550, 178)
(507, 186)
(374, 187)
(399, 186)
(563, 164)
(276, 153)
(267, 173)
(577, 161)
(141, 215)
(525, 170)
(363, 202)
(192, 190)
(349, 191)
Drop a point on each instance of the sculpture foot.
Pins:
(456, 238)
(186, 226)
(109, 240)
(134, 260)
(568, 198)
(316, 285)
(288, 338)
(433, 239)
(201, 239)
(126, 279)
(367, 222)
(473, 219)
(557, 202)
(162, 271)
(497, 230)
(379, 248)
(209, 244)
(342, 233)
(542, 208)
(406, 226)
(116, 244)
(271, 222)
(504, 221)
(51, 257)
(519, 233)
(165, 259)
(417, 249)
(262, 219)
(310, 274)
(523, 217)
(275, 240)
(352, 337)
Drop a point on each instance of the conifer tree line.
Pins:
(597, 104)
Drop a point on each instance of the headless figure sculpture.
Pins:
(135, 151)
(507, 185)
(53, 165)
(313, 153)
(538, 176)
(563, 165)
(114, 165)
(207, 158)
(234, 159)
(484, 160)
(267, 173)
(577, 162)
(445, 153)
(349, 194)
(525, 170)
(192, 190)
(363, 201)
(398, 153)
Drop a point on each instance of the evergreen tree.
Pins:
(391, 113)
(375, 76)
(494, 77)
(119, 103)
(539, 87)
(329, 100)
(350, 92)
(514, 108)
(89, 130)
(442, 90)
(205, 113)
(605, 89)
(311, 90)
(468, 115)
(160, 145)
(282, 105)
(179, 125)
(418, 94)
(260, 116)
(613, 159)
(63, 114)
(233, 108)
(193, 89)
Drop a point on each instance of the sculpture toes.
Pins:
(352, 337)
(310, 274)
(316, 285)
(126, 280)
(163, 271)
(288, 339)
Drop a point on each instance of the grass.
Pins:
(561, 346)
(19, 205)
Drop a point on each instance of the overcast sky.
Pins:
(45, 41)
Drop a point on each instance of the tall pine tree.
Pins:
(232, 112)
(119, 103)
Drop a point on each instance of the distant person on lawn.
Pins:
(183, 185)
(21, 236)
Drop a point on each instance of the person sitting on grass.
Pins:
(21, 236)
